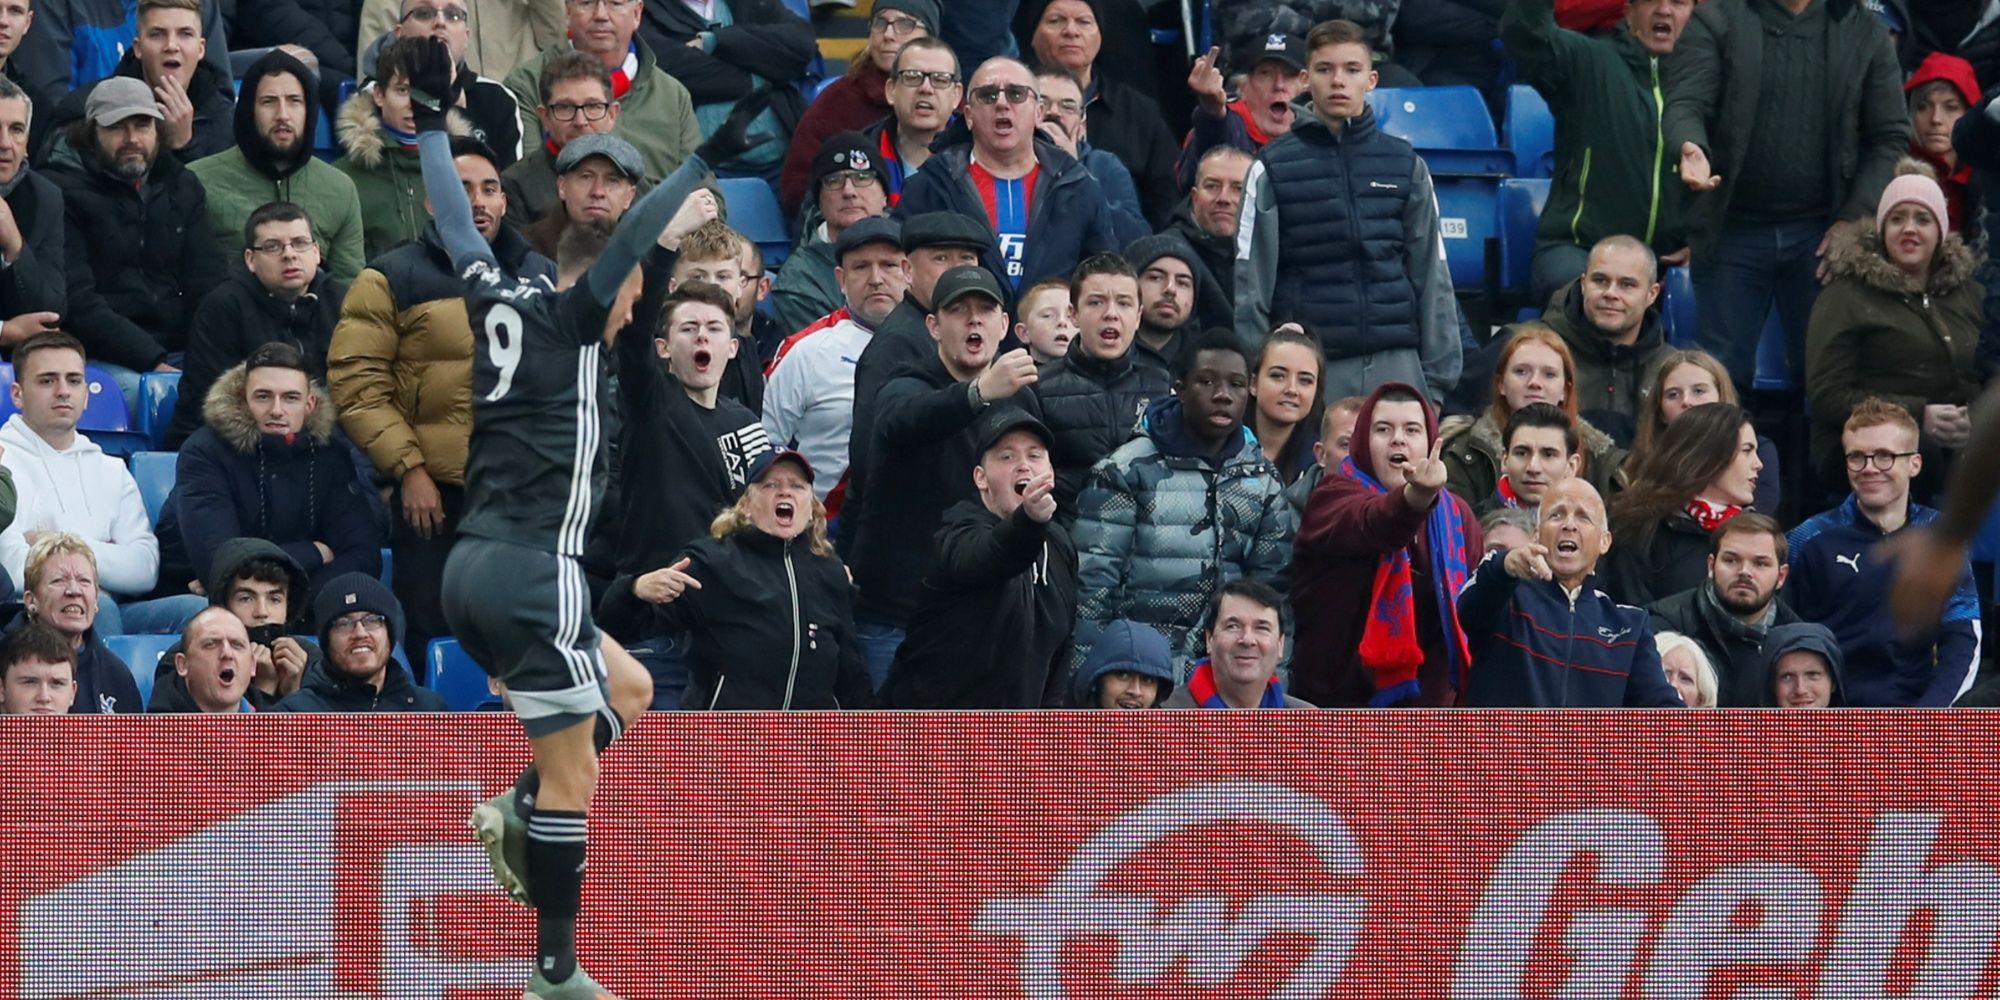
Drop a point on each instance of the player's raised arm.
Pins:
(434, 91)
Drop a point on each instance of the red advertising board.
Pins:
(1107, 856)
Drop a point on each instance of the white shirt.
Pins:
(809, 399)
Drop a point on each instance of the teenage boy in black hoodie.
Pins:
(992, 626)
(265, 588)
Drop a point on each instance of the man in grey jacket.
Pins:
(1381, 306)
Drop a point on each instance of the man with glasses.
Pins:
(575, 101)
(1123, 121)
(848, 178)
(487, 105)
(655, 113)
(1841, 573)
(277, 294)
(924, 90)
(1064, 121)
(359, 624)
(276, 119)
(1047, 211)
(859, 98)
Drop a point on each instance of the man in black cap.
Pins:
(936, 242)
(360, 622)
(922, 429)
(1274, 73)
(992, 623)
(597, 176)
(849, 185)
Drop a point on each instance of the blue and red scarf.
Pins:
(1505, 491)
(1201, 687)
(1390, 647)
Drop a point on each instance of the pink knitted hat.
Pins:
(1917, 188)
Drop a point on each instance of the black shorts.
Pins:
(524, 616)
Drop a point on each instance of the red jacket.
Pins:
(849, 103)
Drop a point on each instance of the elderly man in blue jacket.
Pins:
(1543, 636)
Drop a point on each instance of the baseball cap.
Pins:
(848, 150)
(116, 98)
(946, 229)
(960, 282)
(1004, 420)
(762, 464)
(618, 151)
(1287, 47)
(874, 229)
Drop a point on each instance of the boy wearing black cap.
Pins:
(849, 185)
(992, 624)
(923, 428)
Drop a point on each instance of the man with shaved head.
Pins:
(1543, 636)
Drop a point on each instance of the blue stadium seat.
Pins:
(388, 567)
(754, 212)
(1531, 132)
(1773, 374)
(1449, 126)
(105, 420)
(458, 679)
(1677, 307)
(7, 407)
(141, 654)
(154, 471)
(1521, 201)
(1467, 209)
(801, 8)
(159, 393)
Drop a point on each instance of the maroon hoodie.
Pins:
(1345, 532)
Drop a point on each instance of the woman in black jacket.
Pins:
(1702, 472)
(765, 605)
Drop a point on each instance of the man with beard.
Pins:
(1173, 286)
(1274, 73)
(32, 293)
(1207, 217)
(359, 623)
(168, 56)
(1732, 613)
(272, 160)
(138, 257)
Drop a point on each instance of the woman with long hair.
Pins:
(1535, 366)
(1702, 472)
(1285, 388)
(1683, 380)
(764, 602)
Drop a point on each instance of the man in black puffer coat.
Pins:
(1092, 399)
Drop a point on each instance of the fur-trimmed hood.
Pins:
(227, 412)
(359, 128)
(1859, 254)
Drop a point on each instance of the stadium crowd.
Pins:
(1093, 373)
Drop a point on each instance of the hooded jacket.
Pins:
(854, 101)
(233, 481)
(1068, 218)
(80, 490)
(1211, 304)
(1841, 577)
(1713, 95)
(1613, 381)
(104, 684)
(1534, 645)
(400, 364)
(1871, 336)
(1614, 172)
(1807, 637)
(388, 180)
(1161, 523)
(1126, 646)
(1473, 452)
(1735, 650)
(1345, 532)
(920, 464)
(136, 259)
(992, 627)
(34, 280)
(210, 90)
(771, 626)
(1340, 234)
(327, 687)
(656, 116)
(239, 317)
(1091, 406)
(1963, 194)
(170, 693)
(247, 176)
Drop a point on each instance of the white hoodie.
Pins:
(80, 490)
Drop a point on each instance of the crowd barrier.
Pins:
(1035, 855)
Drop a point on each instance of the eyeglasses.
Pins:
(1067, 106)
(840, 178)
(618, 5)
(427, 14)
(1015, 94)
(941, 79)
(895, 27)
(272, 248)
(593, 111)
(373, 623)
(1883, 460)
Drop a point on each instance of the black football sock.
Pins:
(555, 876)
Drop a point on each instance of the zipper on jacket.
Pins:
(792, 579)
(1659, 149)
(1360, 262)
(1569, 646)
(1582, 190)
(716, 698)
